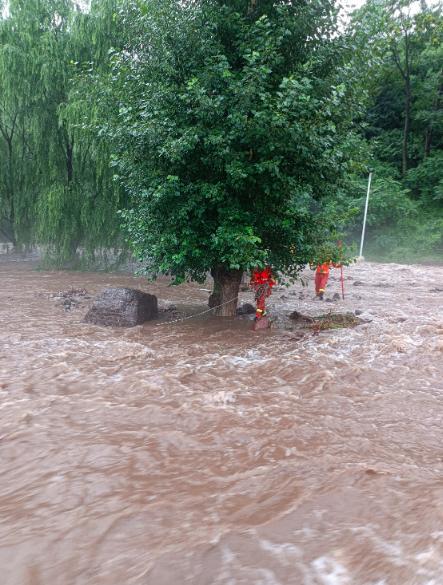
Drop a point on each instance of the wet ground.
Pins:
(202, 453)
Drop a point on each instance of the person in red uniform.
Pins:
(262, 283)
(322, 276)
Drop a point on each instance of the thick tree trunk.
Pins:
(225, 293)
(69, 160)
(7, 232)
(428, 141)
(408, 100)
(435, 108)
(405, 71)
(11, 188)
(405, 154)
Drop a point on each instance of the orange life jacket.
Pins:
(323, 268)
(262, 276)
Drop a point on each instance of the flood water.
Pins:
(202, 453)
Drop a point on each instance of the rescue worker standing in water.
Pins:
(262, 282)
(322, 276)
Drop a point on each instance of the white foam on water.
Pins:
(9, 403)
(250, 357)
(268, 578)
(427, 555)
(330, 572)
(227, 555)
(220, 398)
(281, 550)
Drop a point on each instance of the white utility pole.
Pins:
(365, 216)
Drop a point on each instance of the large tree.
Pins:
(227, 131)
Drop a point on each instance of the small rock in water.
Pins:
(246, 309)
(336, 297)
(358, 312)
(71, 292)
(296, 316)
(168, 308)
(359, 283)
(122, 307)
(27, 418)
(383, 285)
(71, 298)
(295, 335)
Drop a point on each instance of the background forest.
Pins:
(61, 185)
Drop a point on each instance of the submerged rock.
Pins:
(69, 299)
(300, 318)
(246, 309)
(297, 321)
(336, 321)
(122, 307)
(70, 293)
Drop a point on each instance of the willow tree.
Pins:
(226, 131)
(94, 198)
(56, 187)
(16, 150)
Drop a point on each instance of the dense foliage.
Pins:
(400, 47)
(228, 134)
(231, 132)
(56, 187)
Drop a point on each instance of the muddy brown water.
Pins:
(201, 453)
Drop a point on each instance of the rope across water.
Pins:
(197, 314)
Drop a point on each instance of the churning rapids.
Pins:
(202, 453)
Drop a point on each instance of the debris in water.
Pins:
(300, 318)
(69, 299)
(296, 321)
(68, 294)
(335, 321)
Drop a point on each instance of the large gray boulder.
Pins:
(122, 307)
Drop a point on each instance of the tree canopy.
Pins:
(228, 130)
